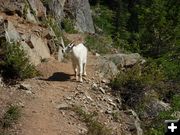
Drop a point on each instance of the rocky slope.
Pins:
(45, 101)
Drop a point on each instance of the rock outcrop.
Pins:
(38, 7)
(12, 6)
(125, 60)
(84, 22)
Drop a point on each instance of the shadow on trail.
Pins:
(58, 76)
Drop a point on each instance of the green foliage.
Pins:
(51, 22)
(16, 64)
(11, 116)
(132, 83)
(94, 127)
(100, 44)
(103, 18)
(171, 66)
(68, 25)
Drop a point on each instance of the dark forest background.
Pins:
(151, 28)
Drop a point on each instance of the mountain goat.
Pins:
(78, 56)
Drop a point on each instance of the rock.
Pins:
(38, 7)
(40, 47)
(25, 86)
(102, 90)
(1, 82)
(83, 131)
(28, 92)
(12, 6)
(176, 114)
(154, 107)
(11, 33)
(107, 68)
(82, 12)
(68, 98)
(30, 17)
(60, 54)
(97, 54)
(34, 58)
(94, 86)
(134, 122)
(125, 60)
(63, 106)
(109, 111)
(104, 81)
(56, 9)
(88, 96)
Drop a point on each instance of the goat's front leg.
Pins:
(80, 71)
(75, 70)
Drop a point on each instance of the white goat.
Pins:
(78, 56)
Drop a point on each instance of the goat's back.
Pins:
(80, 52)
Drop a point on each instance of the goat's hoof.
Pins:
(84, 74)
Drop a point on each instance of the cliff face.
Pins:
(78, 9)
(23, 21)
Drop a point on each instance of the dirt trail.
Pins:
(40, 114)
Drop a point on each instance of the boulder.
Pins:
(154, 107)
(12, 6)
(125, 60)
(30, 17)
(107, 68)
(38, 7)
(11, 33)
(34, 58)
(133, 122)
(40, 46)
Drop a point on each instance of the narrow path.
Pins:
(40, 114)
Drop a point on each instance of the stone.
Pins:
(134, 123)
(125, 60)
(88, 96)
(11, 33)
(25, 86)
(94, 86)
(102, 90)
(63, 106)
(12, 6)
(40, 47)
(38, 7)
(107, 68)
(97, 54)
(30, 17)
(154, 107)
(176, 114)
(34, 58)
(104, 81)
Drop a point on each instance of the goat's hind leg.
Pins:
(80, 72)
(84, 69)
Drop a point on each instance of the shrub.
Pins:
(68, 25)
(51, 22)
(94, 127)
(100, 44)
(11, 116)
(16, 65)
(134, 82)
